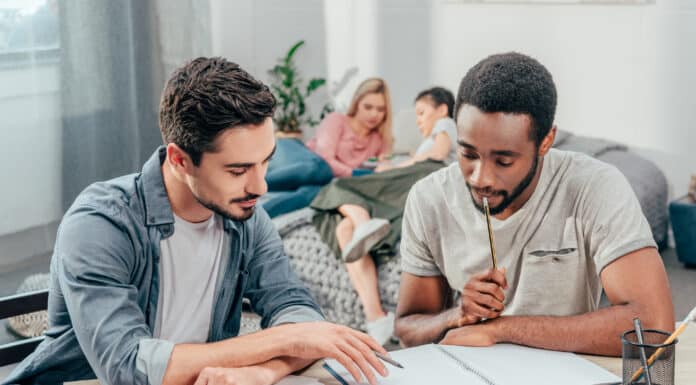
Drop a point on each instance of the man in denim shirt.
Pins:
(149, 270)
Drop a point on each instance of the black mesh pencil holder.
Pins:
(659, 356)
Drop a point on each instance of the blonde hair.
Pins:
(376, 86)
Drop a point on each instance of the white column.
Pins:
(676, 82)
(351, 46)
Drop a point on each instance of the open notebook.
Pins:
(502, 364)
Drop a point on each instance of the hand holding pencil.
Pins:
(483, 296)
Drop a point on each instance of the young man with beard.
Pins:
(149, 270)
(566, 226)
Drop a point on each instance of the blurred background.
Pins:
(80, 79)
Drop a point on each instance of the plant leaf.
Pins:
(299, 100)
(327, 109)
(282, 95)
(288, 77)
(292, 51)
(314, 84)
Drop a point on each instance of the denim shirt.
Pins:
(104, 285)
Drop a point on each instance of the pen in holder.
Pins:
(661, 367)
(643, 357)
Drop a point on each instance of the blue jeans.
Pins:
(295, 176)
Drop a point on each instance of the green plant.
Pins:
(287, 85)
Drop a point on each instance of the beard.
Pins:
(246, 212)
(508, 198)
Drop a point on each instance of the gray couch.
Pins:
(329, 283)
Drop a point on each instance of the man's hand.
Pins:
(353, 349)
(482, 297)
(472, 335)
(249, 375)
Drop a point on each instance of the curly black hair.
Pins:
(511, 83)
(205, 97)
(439, 96)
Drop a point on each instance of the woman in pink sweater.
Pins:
(346, 141)
(342, 143)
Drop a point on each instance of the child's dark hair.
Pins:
(439, 96)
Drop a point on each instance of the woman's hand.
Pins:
(384, 167)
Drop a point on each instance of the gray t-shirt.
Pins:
(582, 216)
(189, 267)
(447, 126)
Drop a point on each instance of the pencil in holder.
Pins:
(660, 357)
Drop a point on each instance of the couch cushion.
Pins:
(326, 277)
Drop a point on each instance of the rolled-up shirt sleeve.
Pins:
(295, 314)
(95, 259)
(153, 358)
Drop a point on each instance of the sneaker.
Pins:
(365, 236)
(381, 329)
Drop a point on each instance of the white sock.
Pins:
(381, 329)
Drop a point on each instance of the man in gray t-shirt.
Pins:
(566, 226)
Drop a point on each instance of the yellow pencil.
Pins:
(491, 238)
(690, 317)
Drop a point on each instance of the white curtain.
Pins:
(79, 91)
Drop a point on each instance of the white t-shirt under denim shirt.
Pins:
(582, 216)
(448, 126)
(189, 266)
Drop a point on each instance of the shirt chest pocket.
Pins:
(552, 275)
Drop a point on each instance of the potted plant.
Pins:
(292, 113)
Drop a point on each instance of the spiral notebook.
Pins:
(502, 364)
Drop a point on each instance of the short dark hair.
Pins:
(511, 83)
(207, 96)
(439, 96)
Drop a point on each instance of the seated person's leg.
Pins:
(287, 151)
(294, 165)
(282, 202)
(363, 277)
(368, 232)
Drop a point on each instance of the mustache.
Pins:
(245, 198)
(488, 191)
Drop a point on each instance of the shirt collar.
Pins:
(158, 211)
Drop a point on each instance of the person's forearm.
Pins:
(187, 360)
(406, 163)
(277, 368)
(419, 329)
(339, 168)
(597, 332)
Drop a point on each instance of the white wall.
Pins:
(31, 165)
(345, 40)
(676, 82)
(623, 72)
(351, 45)
(256, 33)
